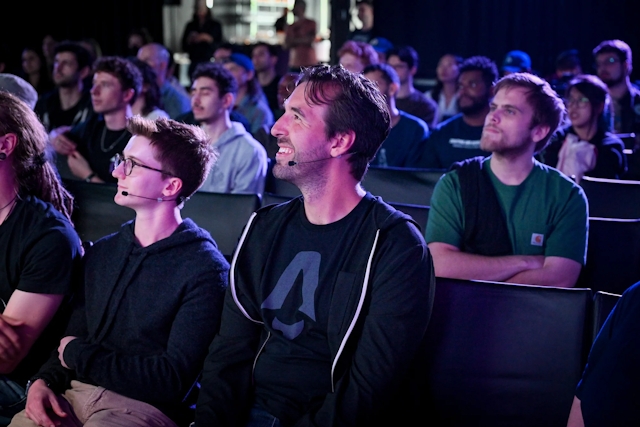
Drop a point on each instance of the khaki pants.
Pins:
(88, 405)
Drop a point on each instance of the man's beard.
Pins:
(475, 107)
(614, 82)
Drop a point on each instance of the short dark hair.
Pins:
(597, 92)
(387, 71)
(152, 96)
(618, 47)
(407, 54)
(274, 49)
(215, 71)
(354, 103)
(548, 108)
(127, 74)
(82, 54)
(185, 151)
(485, 65)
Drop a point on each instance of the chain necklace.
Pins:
(104, 134)
(10, 210)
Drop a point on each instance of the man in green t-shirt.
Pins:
(508, 217)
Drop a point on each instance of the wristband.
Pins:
(91, 175)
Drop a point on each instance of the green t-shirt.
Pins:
(546, 214)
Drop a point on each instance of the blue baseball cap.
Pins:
(242, 60)
(381, 45)
(516, 61)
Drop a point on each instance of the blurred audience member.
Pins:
(405, 61)
(458, 138)
(614, 64)
(586, 146)
(48, 50)
(355, 55)
(175, 102)
(70, 102)
(265, 57)
(516, 61)
(567, 67)
(408, 134)
(250, 100)
(201, 35)
(365, 15)
(35, 70)
(148, 104)
(137, 38)
(19, 87)
(445, 91)
(382, 47)
(300, 38)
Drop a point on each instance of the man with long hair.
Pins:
(39, 251)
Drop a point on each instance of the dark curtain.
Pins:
(542, 28)
(108, 22)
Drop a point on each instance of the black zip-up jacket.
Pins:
(375, 330)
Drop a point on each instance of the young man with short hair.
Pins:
(152, 298)
(508, 217)
(404, 59)
(408, 134)
(90, 147)
(242, 166)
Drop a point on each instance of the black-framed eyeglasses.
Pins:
(130, 163)
(581, 102)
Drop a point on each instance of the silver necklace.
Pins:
(10, 210)
(104, 134)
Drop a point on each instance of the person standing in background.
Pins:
(300, 37)
(201, 35)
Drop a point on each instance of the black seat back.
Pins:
(612, 198)
(402, 185)
(223, 215)
(504, 355)
(613, 255)
(95, 214)
(603, 303)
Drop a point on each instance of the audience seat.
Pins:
(95, 214)
(402, 185)
(223, 215)
(503, 354)
(603, 303)
(612, 198)
(613, 255)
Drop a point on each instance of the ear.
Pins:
(250, 75)
(342, 143)
(413, 70)
(598, 109)
(8, 143)
(173, 187)
(228, 100)
(84, 72)
(393, 89)
(539, 132)
(127, 96)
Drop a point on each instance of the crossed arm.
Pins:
(450, 261)
(24, 319)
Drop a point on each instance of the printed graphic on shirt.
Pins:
(464, 143)
(308, 264)
(537, 239)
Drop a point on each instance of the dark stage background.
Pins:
(543, 28)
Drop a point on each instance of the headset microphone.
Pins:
(157, 199)
(293, 163)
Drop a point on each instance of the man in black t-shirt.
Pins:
(90, 146)
(69, 103)
(330, 294)
(39, 252)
